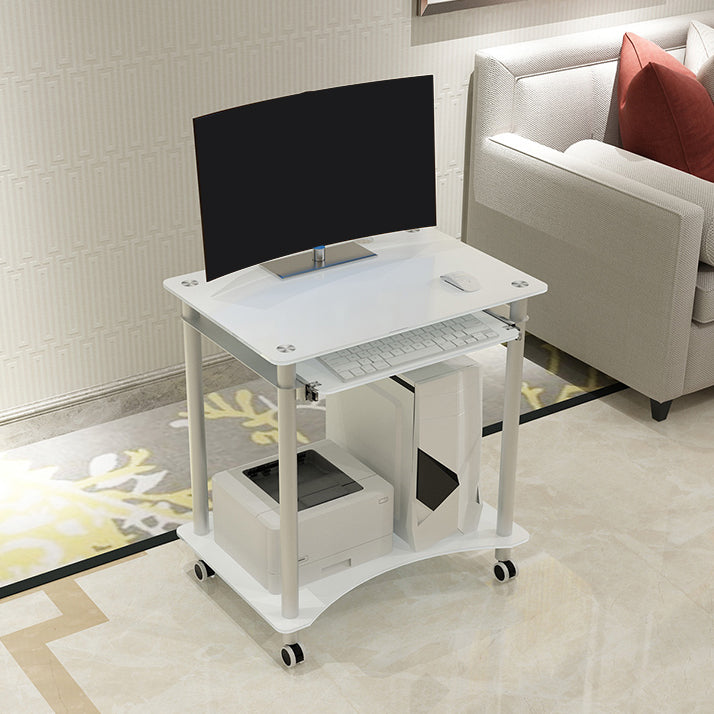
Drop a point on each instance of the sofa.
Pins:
(625, 242)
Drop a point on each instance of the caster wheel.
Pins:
(292, 655)
(202, 571)
(505, 570)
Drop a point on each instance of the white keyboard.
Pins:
(395, 352)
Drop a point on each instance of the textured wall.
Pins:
(98, 202)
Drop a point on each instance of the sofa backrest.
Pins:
(557, 91)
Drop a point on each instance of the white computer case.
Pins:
(425, 421)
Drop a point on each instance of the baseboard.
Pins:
(98, 405)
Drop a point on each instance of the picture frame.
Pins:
(434, 7)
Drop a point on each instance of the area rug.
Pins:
(97, 490)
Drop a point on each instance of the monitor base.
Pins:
(317, 259)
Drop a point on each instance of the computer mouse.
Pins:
(461, 280)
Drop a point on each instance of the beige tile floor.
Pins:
(613, 610)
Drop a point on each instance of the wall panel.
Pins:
(98, 199)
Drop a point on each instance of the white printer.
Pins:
(345, 514)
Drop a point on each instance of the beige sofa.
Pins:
(622, 241)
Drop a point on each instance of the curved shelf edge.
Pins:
(316, 597)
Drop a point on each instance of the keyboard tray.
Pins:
(314, 372)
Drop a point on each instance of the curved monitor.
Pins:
(309, 170)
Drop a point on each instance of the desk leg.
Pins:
(509, 437)
(287, 477)
(196, 425)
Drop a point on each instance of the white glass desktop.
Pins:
(278, 327)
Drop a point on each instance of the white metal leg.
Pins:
(196, 425)
(509, 437)
(287, 467)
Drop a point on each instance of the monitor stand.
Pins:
(317, 259)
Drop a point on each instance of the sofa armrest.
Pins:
(620, 257)
(660, 176)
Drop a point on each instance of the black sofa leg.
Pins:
(660, 409)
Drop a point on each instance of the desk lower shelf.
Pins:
(316, 597)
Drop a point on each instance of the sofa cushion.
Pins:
(704, 295)
(700, 45)
(665, 113)
(699, 54)
(706, 76)
(657, 176)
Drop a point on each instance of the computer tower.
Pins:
(421, 431)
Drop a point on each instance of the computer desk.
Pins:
(278, 327)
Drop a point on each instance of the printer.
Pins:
(345, 514)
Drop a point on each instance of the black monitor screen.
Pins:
(285, 175)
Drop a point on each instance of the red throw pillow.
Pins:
(665, 113)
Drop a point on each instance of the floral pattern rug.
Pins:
(81, 494)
